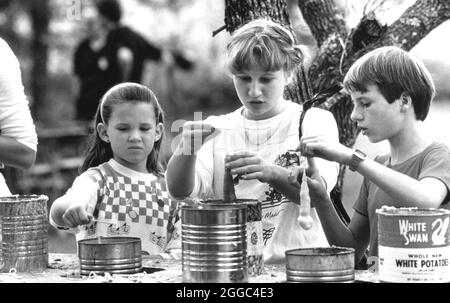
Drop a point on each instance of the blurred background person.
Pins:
(94, 68)
(112, 53)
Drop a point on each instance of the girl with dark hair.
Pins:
(121, 190)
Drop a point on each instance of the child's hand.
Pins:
(248, 165)
(316, 185)
(318, 146)
(295, 176)
(76, 215)
(195, 134)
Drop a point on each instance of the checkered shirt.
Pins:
(138, 208)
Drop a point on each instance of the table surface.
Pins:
(64, 268)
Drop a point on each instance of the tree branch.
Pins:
(323, 19)
(416, 22)
(239, 12)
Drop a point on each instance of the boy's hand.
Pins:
(195, 134)
(76, 215)
(295, 176)
(316, 185)
(318, 146)
(248, 165)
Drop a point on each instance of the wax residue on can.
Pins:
(413, 245)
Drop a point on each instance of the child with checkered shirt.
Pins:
(121, 190)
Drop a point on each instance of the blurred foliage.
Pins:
(182, 26)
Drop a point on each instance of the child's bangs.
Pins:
(256, 53)
(358, 78)
(373, 72)
(355, 84)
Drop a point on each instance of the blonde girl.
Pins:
(253, 141)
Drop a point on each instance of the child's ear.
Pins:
(102, 133)
(405, 101)
(159, 131)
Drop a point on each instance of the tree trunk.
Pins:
(239, 12)
(40, 17)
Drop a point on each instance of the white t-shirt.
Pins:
(271, 138)
(15, 117)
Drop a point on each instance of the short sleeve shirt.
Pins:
(432, 162)
(15, 116)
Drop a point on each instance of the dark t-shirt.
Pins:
(433, 161)
(99, 70)
(141, 48)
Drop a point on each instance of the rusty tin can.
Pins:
(23, 233)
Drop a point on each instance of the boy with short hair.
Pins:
(392, 92)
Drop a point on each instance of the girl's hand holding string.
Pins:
(195, 134)
(316, 184)
(249, 166)
(311, 188)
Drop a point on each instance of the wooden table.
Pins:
(64, 268)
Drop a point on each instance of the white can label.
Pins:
(406, 265)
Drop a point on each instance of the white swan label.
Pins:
(413, 245)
